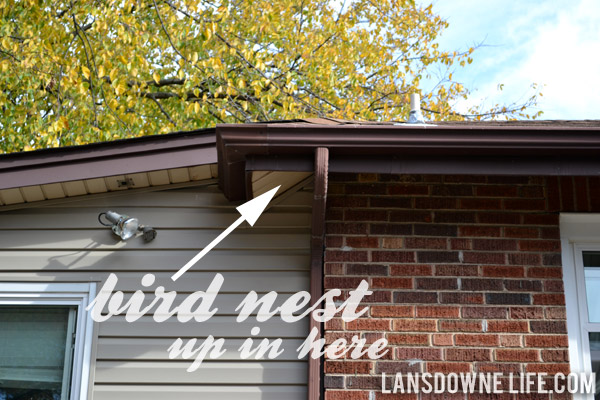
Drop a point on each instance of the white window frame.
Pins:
(76, 295)
(579, 232)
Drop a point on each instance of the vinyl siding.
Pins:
(65, 243)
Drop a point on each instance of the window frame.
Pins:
(579, 232)
(76, 295)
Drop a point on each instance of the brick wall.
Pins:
(465, 273)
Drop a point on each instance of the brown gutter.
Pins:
(317, 249)
(472, 149)
(150, 153)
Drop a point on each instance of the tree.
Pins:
(81, 71)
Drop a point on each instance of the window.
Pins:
(580, 236)
(45, 340)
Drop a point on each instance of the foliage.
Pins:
(75, 72)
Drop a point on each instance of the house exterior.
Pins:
(479, 242)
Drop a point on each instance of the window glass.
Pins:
(35, 352)
(595, 357)
(591, 268)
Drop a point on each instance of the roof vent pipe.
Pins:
(415, 116)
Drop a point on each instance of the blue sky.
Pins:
(555, 44)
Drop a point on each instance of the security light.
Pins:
(125, 226)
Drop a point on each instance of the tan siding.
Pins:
(64, 242)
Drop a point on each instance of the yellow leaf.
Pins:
(101, 71)
(196, 107)
(113, 74)
(156, 77)
(86, 72)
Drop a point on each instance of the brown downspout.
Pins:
(317, 249)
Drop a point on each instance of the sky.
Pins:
(555, 44)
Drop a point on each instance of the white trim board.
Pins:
(72, 294)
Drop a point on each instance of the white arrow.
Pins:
(250, 211)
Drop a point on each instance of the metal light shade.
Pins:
(123, 225)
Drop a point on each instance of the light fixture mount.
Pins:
(125, 226)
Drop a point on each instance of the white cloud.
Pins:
(561, 52)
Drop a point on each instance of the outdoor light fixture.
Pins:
(125, 226)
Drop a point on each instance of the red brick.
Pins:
(496, 191)
(390, 229)
(504, 368)
(465, 179)
(347, 367)
(521, 233)
(348, 256)
(511, 340)
(456, 270)
(448, 367)
(531, 191)
(419, 353)
(480, 204)
(461, 217)
(347, 201)
(524, 259)
(508, 298)
(525, 204)
(550, 369)
(545, 272)
(393, 256)
(392, 243)
(368, 242)
(415, 325)
(442, 339)
(497, 218)
(436, 283)
(460, 244)
(548, 326)
(392, 283)
(508, 326)
(397, 189)
(378, 296)
(334, 269)
(363, 382)
(365, 215)
(567, 193)
(494, 244)
(334, 241)
(549, 299)
(334, 324)
(546, 341)
(391, 367)
(411, 270)
(526, 312)
(556, 313)
(425, 243)
(540, 219)
(523, 285)
(347, 395)
(508, 179)
(479, 231)
(555, 355)
(452, 190)
(367, 177)
(501, 271)
(390, 202)
(522, 355)
(437, 312)
(333, 214)
(415, 297)
(392, 311)
(331, 337)
(539, 245)
(341, 282)
(484, 258)
(410, 216)
(554, 286)
(405, 339)
(436, 230)
(437, 256)
(435, 203)
(468, 355)
(371, 189)
(338, 228)
(460, 326)
(550, 233)
(484, 312)
(366, 269)
(368, 324)
(461, 298)
(476, 340)
(594, 182)
(479, 285)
